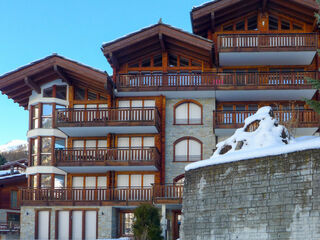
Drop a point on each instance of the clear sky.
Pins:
(33, 29)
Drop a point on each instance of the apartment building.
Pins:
(100, 145)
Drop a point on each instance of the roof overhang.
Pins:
(18, 84)
(159, 37)
(209, 15)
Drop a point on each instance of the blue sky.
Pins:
(33, 29)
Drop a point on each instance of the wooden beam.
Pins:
(61, 74)
(32, 85)
(264, 5)
(212, 21)
(163, 46)
(114, 60)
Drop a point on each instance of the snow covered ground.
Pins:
(268, 139)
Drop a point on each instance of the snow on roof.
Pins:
(204, 4)
(12, 176)
(261, 136)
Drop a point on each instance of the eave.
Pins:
(156, 38)
(225, 10)
(18, 84)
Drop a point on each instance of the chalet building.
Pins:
(12, 177)
(100, 145)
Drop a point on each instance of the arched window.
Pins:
(187, 149)
(188, 112)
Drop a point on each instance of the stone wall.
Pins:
(202, 132)
(274, 197)
(107, 221)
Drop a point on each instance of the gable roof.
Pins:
(201, 16)
(19, 83)
(151, 39)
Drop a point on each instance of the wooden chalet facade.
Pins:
(100, 145)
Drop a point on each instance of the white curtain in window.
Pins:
(149, 103)
(124, 104)
(148, 141)
(136, 103)
(90, 182)
(181, 149)
(77, 182)
(182, 114)
(91, 144)
(123, 142)
(194, 113)
(123, 180)
(63, 227)
(102, 143)
(135, 180)
(76, 225)
(194, 150)
(78, 143)
(148, 179)
(136, 142)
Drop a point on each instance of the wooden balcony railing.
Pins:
(267, 42)
(68, 196)
(107, 117)
(298, 118)
(10, 226)
(212, 81)
(107, 156)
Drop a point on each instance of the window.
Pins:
(14, 199)
(48, 92)
(285, 25)
(35, 116)
(173, 60)
(13, 218)
(134, 180)
(56, 91)
(228, 27)
(157, 61)
(58, 181)
(252, 23)
(240, 26)
(46, 115)
(273, 23)
(126, 222)
(188, 112)
(79, 93)
(187, 149)
(33, 181)
(46, 143)
(45, 180)
(184, 62)
(92, 95)
(34, 152)
(42, 225)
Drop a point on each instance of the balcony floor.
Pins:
(238, 94)
(104, 169)
(104, 130)
(227, 59)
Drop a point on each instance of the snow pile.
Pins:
(13, 145)
(261, 136)
(260, 130)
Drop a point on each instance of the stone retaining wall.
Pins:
(275, 197)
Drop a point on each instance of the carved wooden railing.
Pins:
(235, 119)
(166, 81)
(107, 116)
(107, 156)
(156, 193)
(268, 41)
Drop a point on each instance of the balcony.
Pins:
(76, 122)
(108, 159)
(223, 86)
(170, 194)
(9, 227)
(305, 122)
(266, 49)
